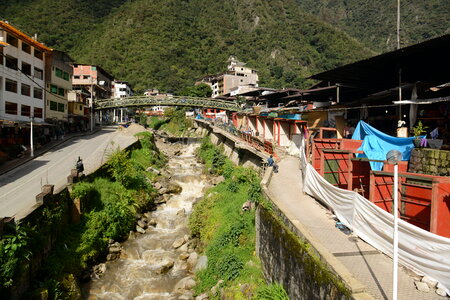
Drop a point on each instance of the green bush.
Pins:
(109, 205)
(157, 122)
(13, 251)
(226, 234)
(176, 121)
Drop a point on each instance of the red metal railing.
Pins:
(424, 200)
(262, 145)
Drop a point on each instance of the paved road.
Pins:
(19, 187)
(372, 268)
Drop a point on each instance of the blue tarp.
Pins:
(290, 116)
(377, 144)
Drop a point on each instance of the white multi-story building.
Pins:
(22, 76)
(236, 75)
(121, 89)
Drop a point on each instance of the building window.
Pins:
(11, 108)
(66, 76)
(38, 54)
(53, 105)
(59, 73)
(38, 73)
(38, 112)
(26, 48)
(86, 76)
(25, 89)
(25, 110)
(61, 92)
(12, 41)
(26, 68)
(11, 85)
(54, 89)
(60, 107)
(37, 93)
(11, 62)
(81, 107)
(76, 76)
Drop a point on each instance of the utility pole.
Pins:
(399, 67)
(398, 24)
(91, 109)
(31, 137)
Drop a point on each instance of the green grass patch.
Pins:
(226, 233)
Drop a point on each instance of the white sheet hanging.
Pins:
(421, 251)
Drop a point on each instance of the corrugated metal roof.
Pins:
(427, 61)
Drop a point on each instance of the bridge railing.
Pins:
(166, 101)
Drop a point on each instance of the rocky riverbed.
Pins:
(158, 261)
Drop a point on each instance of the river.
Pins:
(144, 269)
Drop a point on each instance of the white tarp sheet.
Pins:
(423, 252)
(295, 144)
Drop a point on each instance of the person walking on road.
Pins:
(271, 163)
(80, 166)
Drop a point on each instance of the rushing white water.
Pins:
(135, 275)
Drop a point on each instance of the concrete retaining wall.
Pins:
(233, 147)
(287, 253)
(289, 260)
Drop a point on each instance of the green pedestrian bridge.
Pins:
(166, 101)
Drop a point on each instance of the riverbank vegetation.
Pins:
(226, 233)
(173, 122)
(110, 198)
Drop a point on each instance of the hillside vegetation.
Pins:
(170, 44)
(374, 22)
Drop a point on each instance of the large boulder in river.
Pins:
(142, 224)
(217, 180)
(183, 256)
(174, 188)
(178, 242)
(192, 261)
(140, 229)
(166, 266)
(184, 284)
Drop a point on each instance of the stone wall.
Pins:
(291, 261)
(430, 161)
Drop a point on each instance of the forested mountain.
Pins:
(374, 22)
(168, 44)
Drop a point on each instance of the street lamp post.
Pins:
(91, 104)
(31, 137)
(392, 158)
